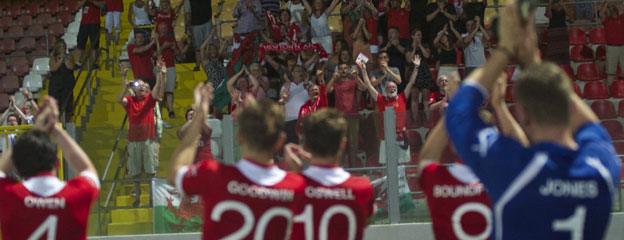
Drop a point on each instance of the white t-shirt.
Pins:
(296, 98)
(474, 53)
(296, 10)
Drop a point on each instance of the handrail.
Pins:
(115, 145)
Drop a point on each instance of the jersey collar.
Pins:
(462, 173)
(261, 174)
(327, 176)
(44, 185)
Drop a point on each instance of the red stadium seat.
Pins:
(617, 89)
(27, 44)
(32, 8)
(576, 36)
(65, 18)
(9, 84)
(588, 72)
(70, 6)
(45, 19)
(37, 54)
(621, 108)
(20, 66)
(619, 148)
(568, 69)
(601, 53)
(24, 21)
(6, 22)
(581, 53)
(15, 32)
(36, 30)
(8, 46)
(614, 128)
(14, 10)
(3, 68)
(618, 72)
(577, 89)
(4, 101)
(509, 97)
(56, 30)
(596, 90)
(597, 36)
(604, 109)
(52, 7)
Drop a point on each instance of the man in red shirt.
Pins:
(89, 28)
(345, 84)
(41, 206)
(613, 18)
(397, 18)
(332, 195)
(252, 199)
(166, 49)
(391, 98)
(139, 104)
(114, 8)
(140, 55)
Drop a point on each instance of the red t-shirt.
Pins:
(371, 27)
(141, 125)
(311, 106)
(254, 200)
(165, 17)
(397, 17)
(168, 54)
(613, 36)
(346, 96)
(398, 104)
(42, 205)
(142, 65)
(335, 204)
(434, 97)
(114, 5)
(457, 201)
(90, 14)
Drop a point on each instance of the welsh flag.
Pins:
(173, 212)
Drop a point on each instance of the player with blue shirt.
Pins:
(561, 185)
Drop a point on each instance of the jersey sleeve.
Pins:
(592, 132)
(425, 180)
(87, 186)
(193, 179)
(495, 159)
(593, 139)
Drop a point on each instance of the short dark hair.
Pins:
(543, 90)
(322, 132)
(33, 153)
(260, 125)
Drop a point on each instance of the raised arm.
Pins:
(506, 122)
(331, 7)
(159, 88)
(307, 6)
(456, 34)
(255, 84)
(408, 88)
(131, 15)
(432, 15)
(121, 98)
(371, 89)
(230, 82)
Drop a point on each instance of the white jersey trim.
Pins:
(462, 173)
(180, 177)
(478, 86)
(2, 174)
(92, 177)
(327, 176)
(595, 163)
(525, 177)
(44, 186)
(265, 176)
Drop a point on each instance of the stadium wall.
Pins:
(420, 231)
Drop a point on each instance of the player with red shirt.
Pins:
(41, 206)
(332, 195)
(252, 199)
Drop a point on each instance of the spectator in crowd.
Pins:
(26, 108)
(384, 73)
(418, 46)
(204, 149)
(114, 8)
(397, 15)
(199, 18)
(296, 9)
(140, 54)
(558, 49)
(165, 15)
(418, 15)
(139, 14)
(255, 71)
(361, 37)
(9, 118)
(446, 44)
(472, 9)
(613, 18)
(474, 42)
(437, 99)
(346, 85)
(319, 15)
(396, 50)
(62, 80)
(370, 15)
(89, 29)
(317, 91)
(334, 58)
(293, 95)
(439, 15)
(240, 87)
(398, 101)
(272, 6)
(584, 10)
(249, 16)
(139, 103)
(212, 56)
(166, 49)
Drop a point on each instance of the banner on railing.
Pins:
(174, 212)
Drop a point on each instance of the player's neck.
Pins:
(561, 136)
(259, 157)
(325, 161)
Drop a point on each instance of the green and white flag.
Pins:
(174, 212)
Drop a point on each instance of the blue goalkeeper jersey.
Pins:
(545, 191)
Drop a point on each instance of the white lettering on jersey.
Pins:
(47, 203)
(326, 193)
(453, 191)
(568, 188)
(486, 137)
(253, 191)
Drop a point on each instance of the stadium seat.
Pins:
(45, 19)
(27, 44)
(17, 53)
(65, 18)
(621, 108)
(9, 84)
(15, 32)
(588, 72)
(56, 29)
(614, 128)
(601, 53)
(619, 147)
(20, 66)
(33, 81)
(52, 7)
(595, 90)
(70, 6)
(3, 68)
(6, 22)
(32, 8)
(41, 66)
(14, 10)
(604, 109)
(4, 101)
(581, 53)
(597, 36)
(24, 21)
(568, 69)
(509, 97)
(576, 36)
(617, 89)
(8, 46)
(618, 72)
(36, 30)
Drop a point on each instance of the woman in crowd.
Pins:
(212, 61)
(62, 80)
(319, 15)
(446, 45)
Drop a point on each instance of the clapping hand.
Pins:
(416, 59)
(47, 116)
(294, 155)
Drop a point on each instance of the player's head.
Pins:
(260, 127)
(324, 134)
(543, 93)
(34, 153)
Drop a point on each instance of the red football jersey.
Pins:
(458, 203)
(336, 204)
(44, 207)
(244, 201)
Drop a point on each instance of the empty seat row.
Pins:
(16, 9)
(577, 36)
(584, 53)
